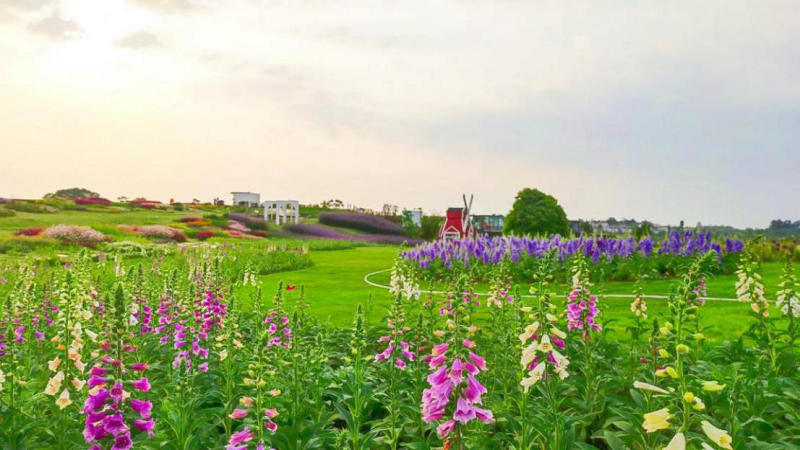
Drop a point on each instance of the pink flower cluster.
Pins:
(701, 292)
(582, 310)
(459, 377)
(387, 353)
(106, 409)
(280, 333)
(240, 439)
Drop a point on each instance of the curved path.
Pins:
(714, 299)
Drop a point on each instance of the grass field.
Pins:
(335, 285)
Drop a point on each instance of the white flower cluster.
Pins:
(788, 300)
(400, 284)
(749, 288)
(542, 352)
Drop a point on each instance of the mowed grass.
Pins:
(335, 285)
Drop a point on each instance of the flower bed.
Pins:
(73, 234)
(362, 222)
(624, 257)
(155, 232)
(29, 232)
(302, 229)
(92, 201)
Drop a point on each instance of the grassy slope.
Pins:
(334, 286)
(103, 220)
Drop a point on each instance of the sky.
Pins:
(665, 111)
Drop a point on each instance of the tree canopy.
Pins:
(536, 213)
(73, 193)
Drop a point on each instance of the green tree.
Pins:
(536, 213)
(73, 193)
(430, 227)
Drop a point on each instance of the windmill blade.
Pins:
(465, 218)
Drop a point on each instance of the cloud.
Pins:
(56, 27)
(138, 40)
(169, 6)
(29, 5)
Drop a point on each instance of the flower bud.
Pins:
(663, 353)
(688, 397)
(672, 372)
(682, 348)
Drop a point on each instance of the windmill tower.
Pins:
(458, 222)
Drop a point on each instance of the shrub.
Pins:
(217, 220)
(144, 203)
(199, 223)
(32, 208)
(92, 201)
(73, 234)
(235, 225)
(29, 232)
(7, 213)
(155, 232)
(188, 219)
(205, 234)
(178, 207)
(163, 232)
(362, 222)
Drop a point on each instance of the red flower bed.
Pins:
(29, 232)
(144, 203)
(93, 201)
(205, 234)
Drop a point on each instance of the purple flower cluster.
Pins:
(690, 243)
(487, 250)
(363, 222)
(303, 229)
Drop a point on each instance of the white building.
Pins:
(416, 216)
(282, 211)
(249, 199)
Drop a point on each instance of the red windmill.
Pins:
(458, 223)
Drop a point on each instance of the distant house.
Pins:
(415, 215)
(248, 199)
(491, 225)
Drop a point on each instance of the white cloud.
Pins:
(138, 40)
(56, 27)
(29, 5)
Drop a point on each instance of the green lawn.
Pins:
(335, 285)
